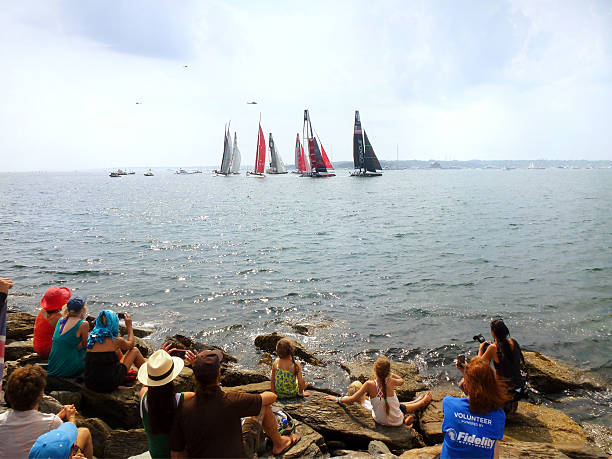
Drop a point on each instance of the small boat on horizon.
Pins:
(114, 174)
(533, 166)
(364, 159)
(320, 165)
(149, 173)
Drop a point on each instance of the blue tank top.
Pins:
(66, 359)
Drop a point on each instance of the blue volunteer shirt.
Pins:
(468, 435)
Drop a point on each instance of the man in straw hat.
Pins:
(209, 425)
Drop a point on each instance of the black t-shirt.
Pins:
(211, 427)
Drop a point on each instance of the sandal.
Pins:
(294, 439)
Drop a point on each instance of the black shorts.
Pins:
(252, 437)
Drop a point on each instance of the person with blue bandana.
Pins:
(109, 357)
(473, 425)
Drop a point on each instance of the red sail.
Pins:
(326, 160)
(260, 158)
(301, 165)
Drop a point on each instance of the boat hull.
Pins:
(255, 174)
(365, 174)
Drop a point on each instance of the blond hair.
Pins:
(353, 388)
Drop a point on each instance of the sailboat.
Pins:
(236, 158)
(365, 160)
(320, 164)
(276, 163)
(260, 155)
(226, 160)
(149, 173)
(301, 162)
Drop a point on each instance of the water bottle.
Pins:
(284, 427)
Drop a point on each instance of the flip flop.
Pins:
(294, 439)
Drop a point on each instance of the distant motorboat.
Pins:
(149, 173)
(182, 172)
(114, 174)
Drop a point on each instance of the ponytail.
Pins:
(382, 368)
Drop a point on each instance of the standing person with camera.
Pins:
(507, 358)
(106, 365)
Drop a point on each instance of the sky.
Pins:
(151, 83)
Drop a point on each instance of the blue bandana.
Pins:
(100, 332)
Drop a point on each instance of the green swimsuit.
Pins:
(285, 382)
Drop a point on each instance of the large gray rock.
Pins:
(348, 423)
(15, 350)
(550, 375)
(67, 397)
(268, 343)
(19, 325)
(311, 444)
(378, 448)
(234, 375)
(184, 382)
(99, 433)
(118, 408)
(125, 443)
(143, 346)
(522, 449)
(413, 383)
(432, 416)
(49, 405)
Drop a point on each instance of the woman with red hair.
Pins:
(473, 425)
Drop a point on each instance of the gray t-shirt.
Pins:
(20, 429)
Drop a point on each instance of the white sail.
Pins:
(236, 158)
(227, 153)
(276, 163)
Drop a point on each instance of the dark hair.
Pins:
(501, 332)
(25, 387)
(285, 348)
(382, 368)
(161, 405)
(486, 392)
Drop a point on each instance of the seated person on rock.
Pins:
(287, 380)
(67, 358)
(106, 366)
(473, 425)
(50, 306)
(158, 401)
(507, 357)
(364, 399)
(209, 424)
(23, 424)
(386, 408)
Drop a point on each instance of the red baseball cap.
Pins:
(55, 298)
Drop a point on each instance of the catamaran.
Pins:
(276, 163)
(320, 165)
(301, 162)
(365, 160)
(226, 160)
(235, 167)
(260, 155)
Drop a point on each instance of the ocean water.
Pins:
(411, 264)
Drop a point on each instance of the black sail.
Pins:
(358, 157)
(371, 162)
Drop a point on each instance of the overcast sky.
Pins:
(440, 79)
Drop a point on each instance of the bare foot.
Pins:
(427, 398)
(305, 394)
(409, 420)
(286, 442)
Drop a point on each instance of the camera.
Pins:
(121, 315)
(481, 339)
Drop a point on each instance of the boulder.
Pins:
(59, 384)
(184, 342)
(255, 388)
(413, 382)
(268, 343)
(18, 349)
(348, 423)
(311, 444)
(599, 435)
(19, 325)
(344, 453)
(522, 449)
(99, 433)
(125, 443)
(234, 375)
(539, 424)
(184, 381)
(378, 448)
(432, 416)
(301, 329)
(143, 346)
(118, 408)
(549, 375)
(49, 405)
(429, 452)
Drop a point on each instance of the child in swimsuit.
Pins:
(287, 380)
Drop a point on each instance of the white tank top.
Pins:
(395, 416)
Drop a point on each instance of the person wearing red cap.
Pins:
(51, 304)
(209, 424)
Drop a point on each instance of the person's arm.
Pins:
(272, 381)
(396, 380)
(300, 378)
(83, 333)
(268, 398)
(489, 353)
(496, 450)
(349, 398)
(143, 390)
(5, 285)
(178, 454)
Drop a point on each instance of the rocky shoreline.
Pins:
(327, 429)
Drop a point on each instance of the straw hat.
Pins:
(160, 369)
